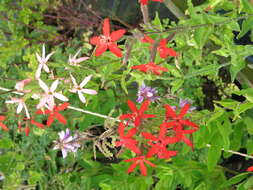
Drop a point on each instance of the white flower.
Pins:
(79, 88)
(21, 105)
(74, 61)
(66, 143)
(21, 84)
(42, 62)
(49, 95)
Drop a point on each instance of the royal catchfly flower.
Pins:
(140, 160)
(138, 115)
(21, 105)
(74, 61)
(80, 90)
(4, 127)
(163, 50)
(145, 2)
(42, 62)
(49, 95)
(107, 40)
(146, 93)
(177, 123)
(159, 147)
(66, 143)
(150, 67)
(54, 114)
(127, 140)
(21, 84)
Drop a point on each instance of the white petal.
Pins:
(61, 135)
(85, 81)
(43, 86)
(74, 57)
(38, 71)
(45, 67)
(48, 56)
(81, 59)
(26, 112)
(19, 108)
(43, 51)
(54, 86)
(64, 153)
(50, 102)
(43, 101)
(81, 96)
(60, 97)
(89, 91)
(10, 102)
(39, 58)
(73, 80)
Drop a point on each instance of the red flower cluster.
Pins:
(4, 127)
(150, 67)
(157, 144)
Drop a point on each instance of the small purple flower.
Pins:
(146, 92)
(66, 143)
(182, 104)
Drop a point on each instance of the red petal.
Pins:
(95, 40)
(106, 27)
(134, 148)
(148, 116)
(115, 49)
(121, 129)
(100, 49)
(149, 136)
(149, 163)
(189, 123)
(116, 35)
(131, 133)
(153, 150)
(144, 106)
(131, 168)
(60, 118)
(62, 106)
(50, 119)
(143, 168)
(2, 118)
(169, 112)
(132, 106)
(189, 131)
(250, 169)
(4, 127)
(171, 52)
(187, 141)
(184, 111)
(43, 112)
(171, 140)
(27, 131)
(40, 125)
(137, 121)
(163, 42)
(147, 39)
(143, 2)
(125, 116)
(130, 160)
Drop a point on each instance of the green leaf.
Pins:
(249, 124)
(6, 143)
(235, 68)
(246, 6)
(234, 180)
(246, 26)
(249, 183)
(213, 156)
(242, 108)
(176, 84)
(104, 186)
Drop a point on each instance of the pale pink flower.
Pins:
(42, 62)
(49, 95)
(79, 88)
(74, 61)
(21, 84)
(21, 105)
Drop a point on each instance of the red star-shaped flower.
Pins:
(139, 161)
(105, 41)
(126, 140)
(177, 123)
(137, 115)
(150, 67)
(4, 127)
(160, 145)
(54, 114)
(164, 51)
(145, 2)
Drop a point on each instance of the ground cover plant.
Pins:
(126, 95)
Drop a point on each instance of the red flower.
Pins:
(145, 2)
(152, 67)
(178, 122)
(27, 129)
(160, 145)
(126, 140)
(4, 127)
(137, 115)
(162, 49)
(139, 161)
(55, 114)
(250, 169)
(105, 41)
